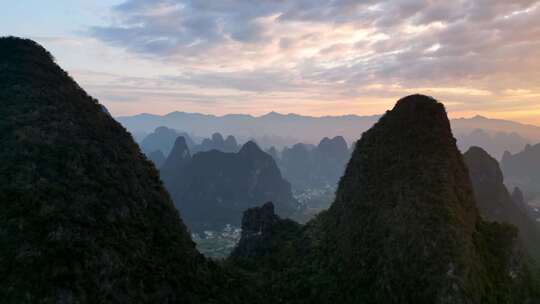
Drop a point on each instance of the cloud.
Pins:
(463, 50)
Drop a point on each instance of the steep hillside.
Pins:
(84, 217)
(404, 227)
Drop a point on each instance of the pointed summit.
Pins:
(250, 147)
(217, 138)
(230, 144)
(179, 155)
(258, 225)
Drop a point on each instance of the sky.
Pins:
(311, 57)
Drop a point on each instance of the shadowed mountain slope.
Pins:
(404, 227)
(84, 217)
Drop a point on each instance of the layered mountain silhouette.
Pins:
(495, 202)
(404, 227)
(216, 142)
(523, 170)
(280, 130)
(84, 217)
(316, 167)
(162, 139)
(495, 143)
(213, 188)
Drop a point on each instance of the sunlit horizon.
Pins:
(312, 58)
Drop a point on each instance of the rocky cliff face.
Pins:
(404, 227)
(214, 187)
(495, 202)
(84, 217)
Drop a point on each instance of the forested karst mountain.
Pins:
(280, 130)
(213, 188)
(495, 202)
(404, 227)
(84, 217)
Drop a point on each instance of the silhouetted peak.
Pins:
(506, 155)
(163, 130)
(231, 140)
(180, 147)
(479, 117)
(250, 148)
(259, 219)
(108, 216)
(217, 138)
(335, 144)
(180, 142)
(483, 165)
(477, 151)
(272, 114)
(14, 49)
(179, 155)
(300, 147)
(257, 226)
(417, 104)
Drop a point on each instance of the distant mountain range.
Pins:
(280, 130)
(212, 188)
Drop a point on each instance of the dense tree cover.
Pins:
(404, 228)
(84, 217)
